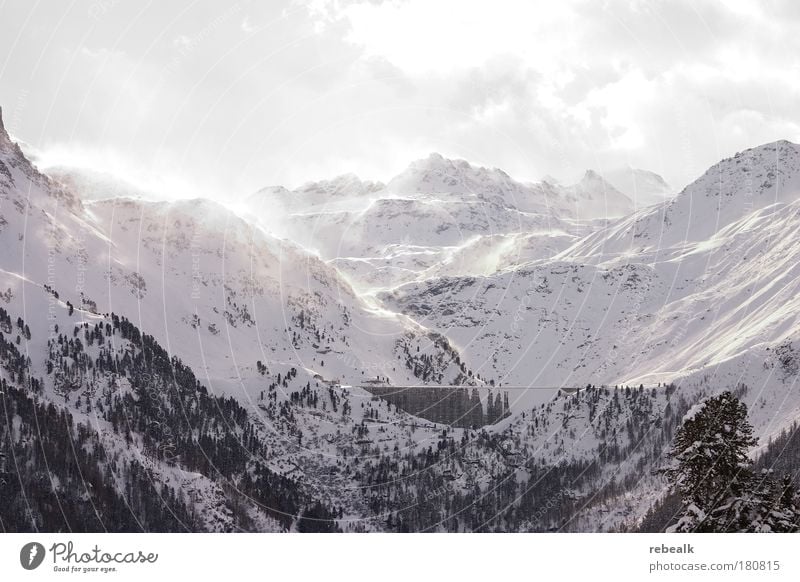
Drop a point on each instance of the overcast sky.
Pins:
(220, 99)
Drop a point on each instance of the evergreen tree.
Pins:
(711, 471)
(710, 466)
(768, 506)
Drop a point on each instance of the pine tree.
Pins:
(765, 506)
(710, 466)
(711, 471)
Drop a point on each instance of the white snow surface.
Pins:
(535, 285)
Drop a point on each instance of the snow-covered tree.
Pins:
(714, 476)
(767, 506)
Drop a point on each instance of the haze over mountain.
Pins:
(142, 327)
(705, 284)
(245, 312)
(642, 186)
(436, 216)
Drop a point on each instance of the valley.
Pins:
(453, 350)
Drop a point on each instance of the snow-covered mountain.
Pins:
(197, 276)
(700, 290)
(153, 328)
(642, 186)
(593, 197)
(759, 180)
(703, 283)
(459, 180)
(91, 184)
(436, 214)
(100, 288)
(341, 192)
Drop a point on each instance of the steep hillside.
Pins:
(700, 285)
(194, 372)
(213, 289)
(183, 346)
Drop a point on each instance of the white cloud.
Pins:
(440, 36)
(320, 87)
(607, 79)
(622, 107)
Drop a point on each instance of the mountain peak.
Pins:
(594, 197)
(5, 139)
(642, 186)
(438, 174)
(591, 175)
(344, 185)
(437, 162)
(551, 180)
(782, 145)
(594, 180)
(764, 174)
(8, 146)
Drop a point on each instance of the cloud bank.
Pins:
(224, 100)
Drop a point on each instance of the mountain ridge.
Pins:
(128, 308)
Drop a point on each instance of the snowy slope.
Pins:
(708, 280)
(341, 191)
(469, 272)
(252, 316)
(215, 290)
(727, 192)
(701, 290)
(91, 184)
